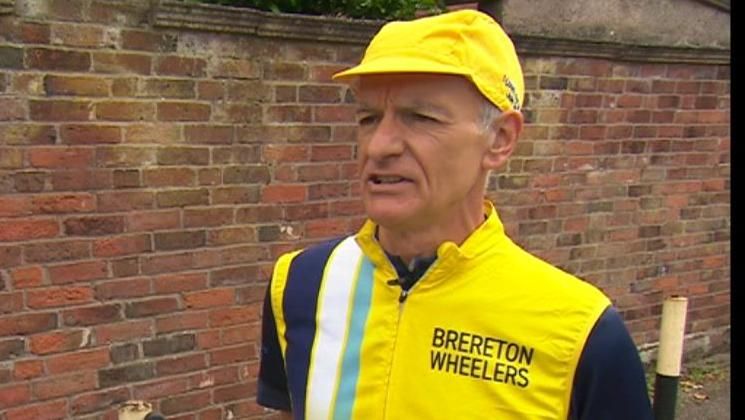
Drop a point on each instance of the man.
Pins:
(430, 311)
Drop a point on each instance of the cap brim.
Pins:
(398, 64)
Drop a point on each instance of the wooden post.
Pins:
(669, 356)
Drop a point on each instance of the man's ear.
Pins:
(504, 132)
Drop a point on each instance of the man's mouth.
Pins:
(386, 179)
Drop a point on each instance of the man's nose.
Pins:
(386, 140)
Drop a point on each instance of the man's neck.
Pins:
(408, 244)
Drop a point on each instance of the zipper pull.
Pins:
(403, 295)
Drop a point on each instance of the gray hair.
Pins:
(489, 112)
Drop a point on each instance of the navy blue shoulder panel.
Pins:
(609, 382)
(299, 307)
(272, 385)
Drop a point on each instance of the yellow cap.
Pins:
(465, 42)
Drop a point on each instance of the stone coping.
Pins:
(175, 14)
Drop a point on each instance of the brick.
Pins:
(57, 60)
(13, 395)
(30, 181)
(64, 203)
(152, 133)
(175, 365)
(125, 156)
(169, 345)
(56, 157)
(12, 348)
(81, 180)
(122, 245)
(234, 69)
(183, 156)
(233, 392)
(180, 66)
(11, 57)
(169, 241)
(167, 263)
(28, 369)
(246, 174)
(90, 134)
(210, 90)
(223, 317)
(127, 178)
(127, 288)
(183, 111)
(181, 198)
(289, 113)
(11, 303)
(208, 134)
(121, 63)
(185, 403)
(126, 375)
(234, 235)
(78, 272)
(166, 88)
(122, 331)
(82, 360)
(172, 283)
(75, 86)
(124, 353)
(53, 410)
(125, 201)
(62, 296)
(94, 226)
(124, 267)
(165, 388)
(92, 315)
(58, 341)
(181, 322)
(232, 355)
(148, 41)
(152, 220)
(60, 110)
(169, 177)
(325, 228)
(150, 307)
(235, 195)
(284, 193)
(336, 153)
(27, 134)
(209, 298)
(24, 277)
(241, 334)
(209, 216)
(21, 230)
(99, 400)
(124, 111)
(12, 109)
(56, 251)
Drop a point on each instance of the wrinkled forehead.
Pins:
(379, 89)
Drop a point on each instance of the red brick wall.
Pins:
(148, 178)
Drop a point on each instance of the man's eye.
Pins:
(424, 118)
(366, 119)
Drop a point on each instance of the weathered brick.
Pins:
(289, 113)
(90, 134)
(125, 201)
(185, 402)
(121, 245)
(126, 375)
(180, 198)
(169, 345)
(150, 307)
(26, 134)
(234, 69)
(92, 315)
(13, 395)
(174, 65)
(127, 288)
(28, 369)
(123, 331)
(208, 134)
(58, 341)
(94, 226)
(179, 240)
(24, 230)
(121, 63)
(183, 111)
(81, 179)
(232, 355)
(60, 110)
(56, 251)
(95, 401)
(11, 57)
(75, 86)
(223, 317)
(209, 298)
(60, 296)
(46, 410)
(63, 203)
(124, 111)
(181, 322)
(12, 348)
(246, 174)
(57, 60)
(166, 88)
(124, 353)
(183, 156)
(81, 360)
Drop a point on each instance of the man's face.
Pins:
(421, 148)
